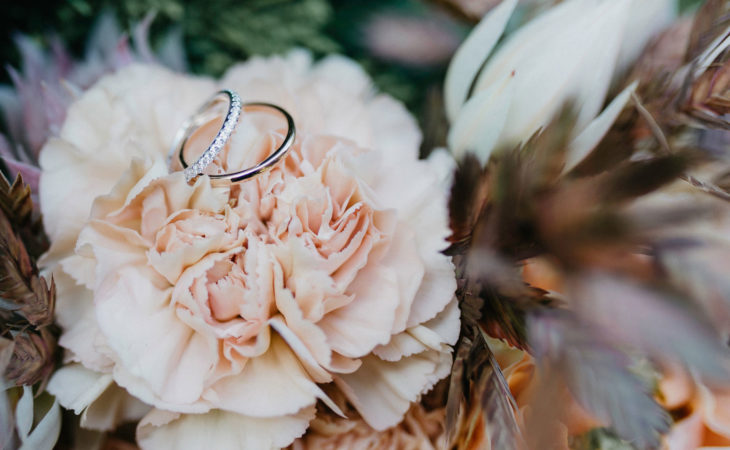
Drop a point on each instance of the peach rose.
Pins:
(226, 310)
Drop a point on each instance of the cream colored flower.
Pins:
(227, 309)
(571, 52)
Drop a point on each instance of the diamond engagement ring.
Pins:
(207, 113)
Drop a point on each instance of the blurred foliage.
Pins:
(688, 4)
(218, 33)
(599, 439)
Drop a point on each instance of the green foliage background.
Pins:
(220, 32)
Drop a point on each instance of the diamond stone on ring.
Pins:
(202, 116)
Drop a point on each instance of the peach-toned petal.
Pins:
(103, 404)
(82, 336)
(273, 384)
(64, 219)
(442, 329)
(383, 391)
(162, 352)
(716, 410)
(221, 430)
(409, 270)
(676, 386)
(355, 329)
(686, 434)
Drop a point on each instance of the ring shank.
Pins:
(266, 164)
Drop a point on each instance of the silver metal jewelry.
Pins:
(234, 177)
(202, 116)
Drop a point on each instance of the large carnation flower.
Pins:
(224, 311)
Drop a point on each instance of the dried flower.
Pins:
(27, 301)
(35, 106)
(33, 357)
(709, 96)
(420, 429)
(326, 269)
(30, 300)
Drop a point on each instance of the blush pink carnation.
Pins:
(220, 313)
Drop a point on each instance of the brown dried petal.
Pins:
(32, 359)
(711, 91)
(710, 21)
(38, 310)
(19, 280)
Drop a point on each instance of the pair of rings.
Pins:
(208, 112)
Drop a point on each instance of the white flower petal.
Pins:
(24, 413)
(551, 69)
(356, 328)
(434, 334)
(113, 407)
(273, 384)
(383, 391)
(7, 422)
(470, 56)
(396, 136)
(102, 403)
(592, 135)
(45, 434)
(647, 18)
(76, 387)
(221, 430)
(163, 352)
(409, 270)
(481, 121)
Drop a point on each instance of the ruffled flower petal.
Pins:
(220, 430)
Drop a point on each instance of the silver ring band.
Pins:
(202, 116)
(235, 177)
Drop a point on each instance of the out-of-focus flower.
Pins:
(523, 380)
(327, 268)
(666, 53)
(702, 415)
(411, 40)
(685, 79)
(34, 107)
(420, 429)
(572, 52)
